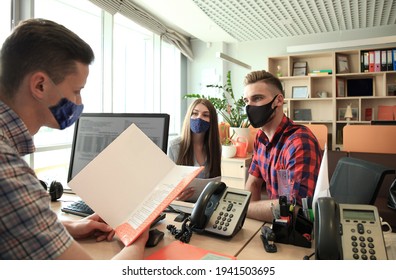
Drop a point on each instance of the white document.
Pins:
(131, 182)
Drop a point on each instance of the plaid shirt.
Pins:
(28, 227)
(293, 148)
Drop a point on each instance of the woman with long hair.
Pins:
(199, 143)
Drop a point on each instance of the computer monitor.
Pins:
(95, 131)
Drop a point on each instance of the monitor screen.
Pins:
(95, 131)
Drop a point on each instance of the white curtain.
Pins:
(130, 10)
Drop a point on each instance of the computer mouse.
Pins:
(155, 236)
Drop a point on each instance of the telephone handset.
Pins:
(220, 210)
(347, 231)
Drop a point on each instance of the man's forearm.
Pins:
(255, 188)
(261, 210)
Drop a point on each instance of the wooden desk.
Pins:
(254, 250)
(106, 250)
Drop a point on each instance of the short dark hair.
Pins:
(40, 45)
(263, 76)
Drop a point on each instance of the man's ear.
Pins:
(38, 84)
(279, 100)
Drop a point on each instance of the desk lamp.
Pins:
(348, 114)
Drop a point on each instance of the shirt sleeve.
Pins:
(29, 229)
(173, 151)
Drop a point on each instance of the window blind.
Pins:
(130, 10)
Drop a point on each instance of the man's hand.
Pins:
(91, 226)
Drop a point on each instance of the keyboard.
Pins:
(79, 208)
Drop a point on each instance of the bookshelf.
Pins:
(349, 83)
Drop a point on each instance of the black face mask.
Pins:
(259, 115)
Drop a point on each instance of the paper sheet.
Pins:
(124, 185)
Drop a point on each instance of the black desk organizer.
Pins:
(297, 232)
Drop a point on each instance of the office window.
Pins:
(132, 68)
(170, 85)
(142, 83)
(5, 20)
(133, 72)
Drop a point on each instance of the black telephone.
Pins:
(220, 210)
(347, 231)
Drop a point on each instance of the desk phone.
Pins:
(220, 210)
(348, 231)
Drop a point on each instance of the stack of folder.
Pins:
(378, 60)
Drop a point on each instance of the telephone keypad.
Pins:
(227, 219)
(364, 242)
(224, 219)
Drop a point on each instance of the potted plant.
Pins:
(228, 147)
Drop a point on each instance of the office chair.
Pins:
(357, 181)
(320, 132)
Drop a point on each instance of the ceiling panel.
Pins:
(251, 20)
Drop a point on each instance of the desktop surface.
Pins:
(245, 245)
(106, 250)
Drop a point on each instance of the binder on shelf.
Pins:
(394, 58)
(364, 61)
(371, 61)
(377, 61)
(389, 60)
(384, 63)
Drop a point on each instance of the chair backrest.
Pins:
(320, 132)
(369, 138)
(357, 181)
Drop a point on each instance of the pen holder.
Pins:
(298, 231)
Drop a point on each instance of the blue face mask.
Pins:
(199, 125)
(66, 112)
